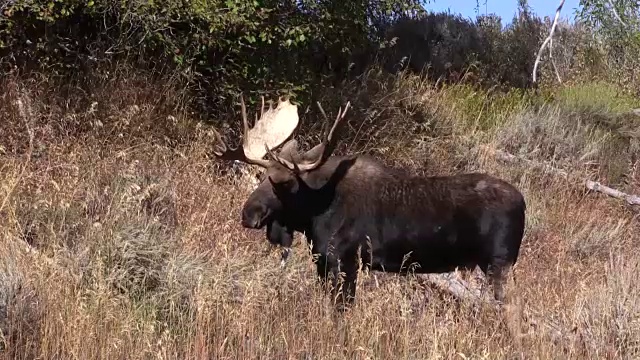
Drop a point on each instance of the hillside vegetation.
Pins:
(121, 233)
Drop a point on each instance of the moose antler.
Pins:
(272, 129)
(327, 145)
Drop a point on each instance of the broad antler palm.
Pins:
(272, 129)
(326, 146)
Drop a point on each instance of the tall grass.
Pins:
(130, 246)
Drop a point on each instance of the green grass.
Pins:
(596, 96)
(480, 109)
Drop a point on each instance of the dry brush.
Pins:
(132, 248)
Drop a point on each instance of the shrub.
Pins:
(219, 48)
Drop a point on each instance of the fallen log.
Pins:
(461, 290)
(596, 186)
(457, 287)
(591, 185)
(505, 156)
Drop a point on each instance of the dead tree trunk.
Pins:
(461, 290)
(596, 186)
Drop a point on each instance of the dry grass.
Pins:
(132, 248)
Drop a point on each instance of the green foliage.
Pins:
(513, 50)
(450, 46)
(480, 109)
(220, 46)
(596, 96)
(614, 23)
(615, 27)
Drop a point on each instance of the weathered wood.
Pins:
(457, 287)
(596, 186)
(591, 185)
(536, 322)
(507, 157)
(548, 41)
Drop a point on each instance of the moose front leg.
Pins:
(284, 256)
(341, 267)
(281, 235)
(347, 296)
(322, 270)
(344, 274)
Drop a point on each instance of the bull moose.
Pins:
(355, 206)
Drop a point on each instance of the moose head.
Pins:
(286, 172)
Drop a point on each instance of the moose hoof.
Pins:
(286, 252)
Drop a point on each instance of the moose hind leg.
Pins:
(322, 270)
(504, 248)
(344, 284)
(498, 277)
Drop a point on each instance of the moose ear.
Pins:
(313, 153)
(289, 150)
(286, 187)
(283, 180)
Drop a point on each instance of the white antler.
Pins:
(273, 128)
(326, 146)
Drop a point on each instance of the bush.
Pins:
(453, 48)
(219, 48)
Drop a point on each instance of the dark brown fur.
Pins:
(396, 222)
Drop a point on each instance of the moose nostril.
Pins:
(251, 222)
(247, 222)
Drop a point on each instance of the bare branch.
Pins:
(547, 40)
(553, 62)
(615, 13)
(591, 185)
(505, 156)
(596, 186)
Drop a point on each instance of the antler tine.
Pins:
(220, 144)
(322, 110)
(272, 127)
(326, 144)
(244, 117)
(291, 165)
(325, 127)
(223, 151)
(339, 118)
(261, 106)
(344, 112)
